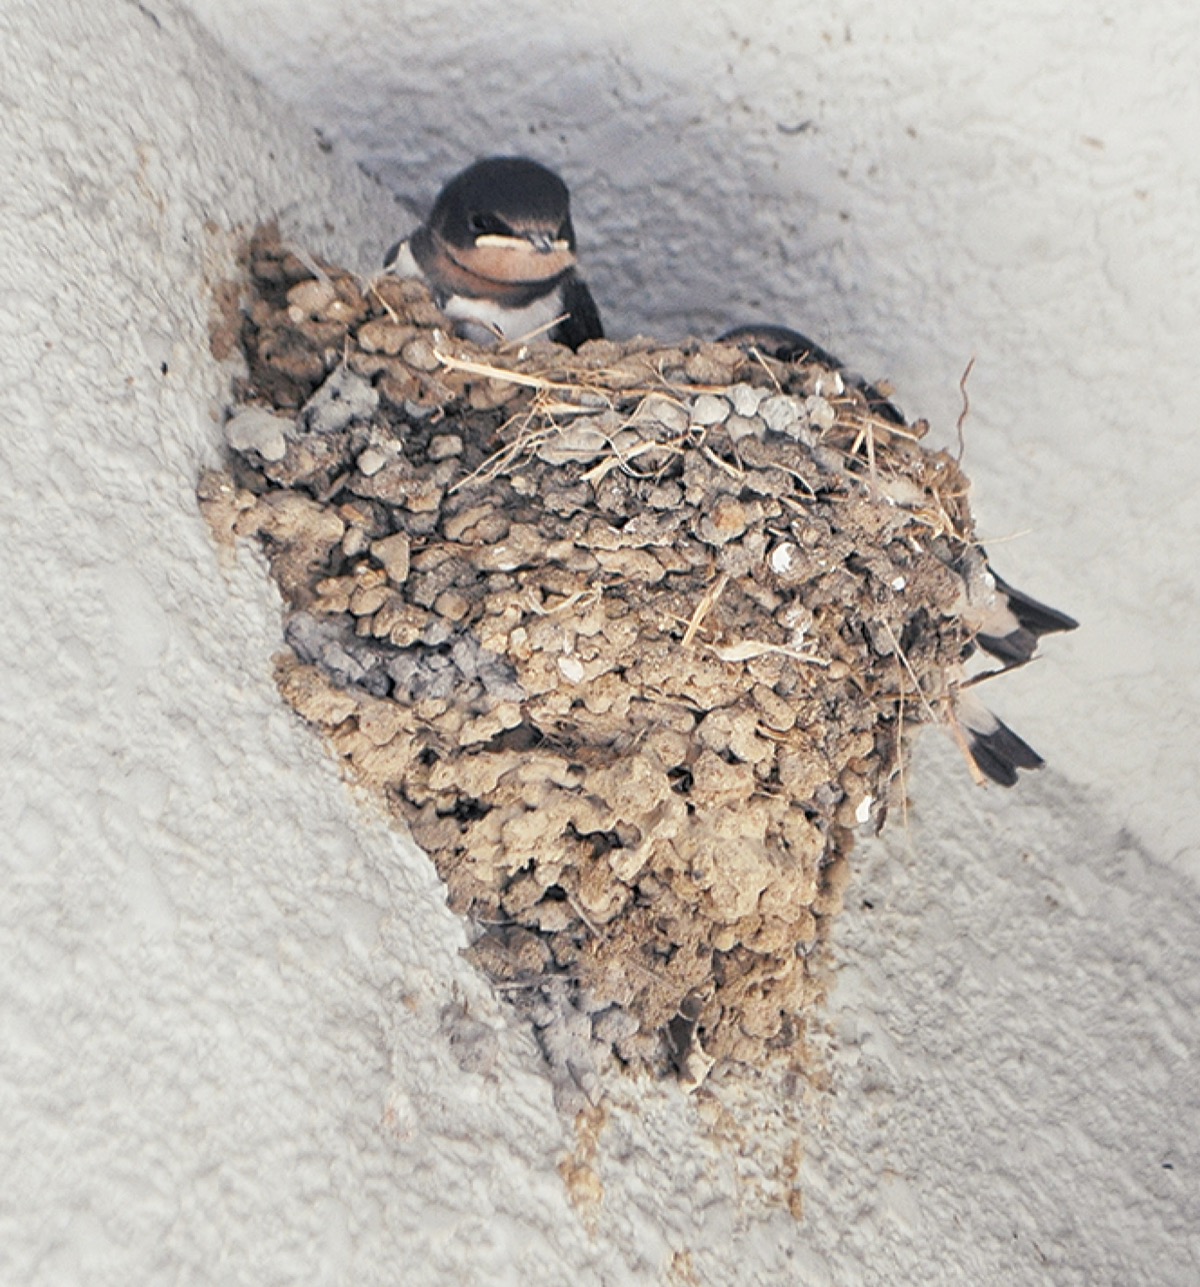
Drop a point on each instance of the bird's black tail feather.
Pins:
(1038, 618)
(1018, 624)
(995, 748)
(1000, 753)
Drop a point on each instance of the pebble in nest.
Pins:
(632, 636)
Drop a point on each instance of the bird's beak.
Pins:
(541, 242)
(545, 244)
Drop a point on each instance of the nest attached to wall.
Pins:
(632, 639)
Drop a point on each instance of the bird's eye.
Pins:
(489, 225)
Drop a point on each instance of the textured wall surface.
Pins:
(207, 947)
(237, 1042)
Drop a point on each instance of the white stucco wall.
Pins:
(226, 1052)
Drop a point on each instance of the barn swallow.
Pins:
(1006, 623)
(786, 345)
(498, 252)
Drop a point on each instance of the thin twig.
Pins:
(748, 649)
(912, 674)
(762, 361)
(733, 471)
(516, 343)
(900, 760)
(391, 312)
(621, 459)
(453, 363)
(962, 415)
(704, 607)
(963, 745)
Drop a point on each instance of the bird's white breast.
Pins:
(483, 319)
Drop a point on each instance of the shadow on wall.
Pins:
(1022, 982)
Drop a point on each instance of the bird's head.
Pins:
(506, 219)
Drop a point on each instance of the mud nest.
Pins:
(632, 639)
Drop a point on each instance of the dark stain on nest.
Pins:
(632, 640)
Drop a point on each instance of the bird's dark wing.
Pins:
(786, 345)
(779, 342)
(583, 322)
